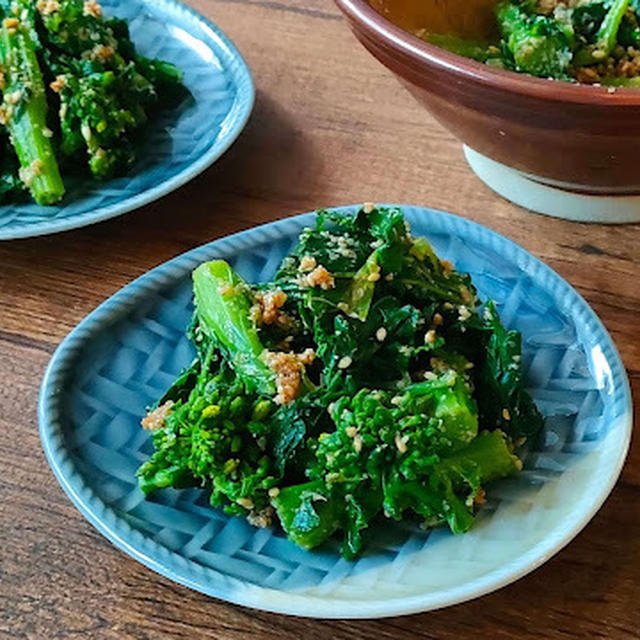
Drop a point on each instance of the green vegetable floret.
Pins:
(587, 41)
(540, 45)
(215, 436)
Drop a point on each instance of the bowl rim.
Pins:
(378, 27)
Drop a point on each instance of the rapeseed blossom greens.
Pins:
(361, 384)
(588, 41)
(75, 96)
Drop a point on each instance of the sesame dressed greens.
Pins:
(75, 96)
(587, 41)
(364, 382)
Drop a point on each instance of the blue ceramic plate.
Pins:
(181, 143)
(124, 355)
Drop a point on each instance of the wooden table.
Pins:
(331, 126)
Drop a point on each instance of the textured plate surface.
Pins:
(125, 354)
(180, 143)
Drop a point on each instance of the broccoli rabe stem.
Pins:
(223, 309)
(467, 48)
(607, 35)
(157, 474)
(606, 38)
(621, 82)
(487, 457)
(25, 112)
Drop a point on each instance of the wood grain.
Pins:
(330, 127)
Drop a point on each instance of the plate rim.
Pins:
(240, 111)
(286, 602)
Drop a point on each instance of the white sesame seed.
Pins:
(463, 313)
(274, 492)
(357, 443)
(247, 503)
(374, 277)
(430, 337)
(345, 362)
(381, 334)
(351, 432)
(400, 443)
(368, 207)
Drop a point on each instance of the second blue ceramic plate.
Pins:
(124, 355)
(181, 143)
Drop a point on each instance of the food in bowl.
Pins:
(76, 96)
(587, 41)
(360, 384)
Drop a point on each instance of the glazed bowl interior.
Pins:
(468, 19)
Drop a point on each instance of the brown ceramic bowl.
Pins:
(578, 137)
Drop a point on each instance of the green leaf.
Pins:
(307, 515)
(502, 400)
(359, 294)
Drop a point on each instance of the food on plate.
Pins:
(587, 41)
(365, 382)
(76, 97)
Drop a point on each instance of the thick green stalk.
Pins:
(25, 113)
(487, 457)
(608, 32)
(606, 38)
(467, 48)
(307, 516)
(223, 309)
